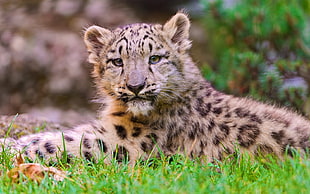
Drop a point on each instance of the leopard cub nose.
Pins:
(135, 81)
(136, 88)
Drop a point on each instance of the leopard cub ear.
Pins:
(177, 30)
(96, 38)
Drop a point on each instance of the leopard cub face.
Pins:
(139, 64)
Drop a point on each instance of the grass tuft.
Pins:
(176, 174)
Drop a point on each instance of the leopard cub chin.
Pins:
(139, 107)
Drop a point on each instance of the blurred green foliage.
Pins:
(261, 48)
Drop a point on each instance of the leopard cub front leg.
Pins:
(90, 141)
(55, 144)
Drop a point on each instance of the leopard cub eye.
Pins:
(154, 59)
(117, 62)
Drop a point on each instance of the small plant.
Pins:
(261, 48)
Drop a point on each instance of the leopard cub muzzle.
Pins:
(136, 82)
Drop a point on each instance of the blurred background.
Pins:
(246, 48)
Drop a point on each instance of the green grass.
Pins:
(172, 175)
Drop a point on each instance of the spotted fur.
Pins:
(154, 98)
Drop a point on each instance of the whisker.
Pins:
(171, 93)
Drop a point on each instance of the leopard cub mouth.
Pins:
(139, 106)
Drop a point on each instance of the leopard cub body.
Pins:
(154, 98)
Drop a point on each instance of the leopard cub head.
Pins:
(140, 64)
